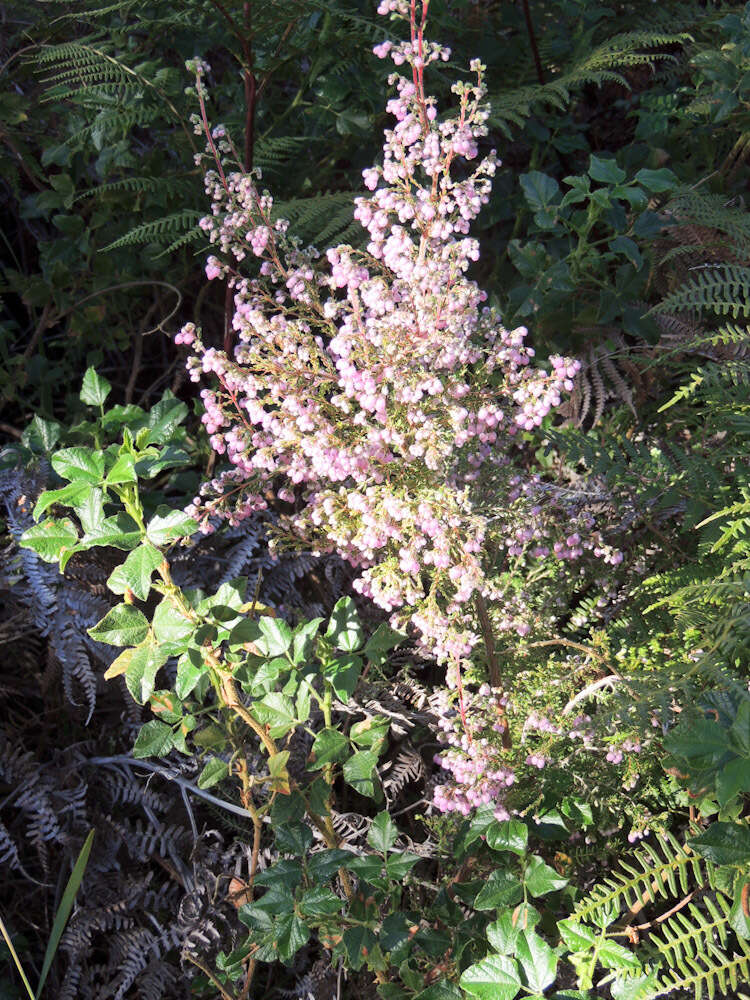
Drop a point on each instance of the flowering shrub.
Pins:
(373, 390)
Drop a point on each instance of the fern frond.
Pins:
(722, 289)
(163, 230)
(653, 873)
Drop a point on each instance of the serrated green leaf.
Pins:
(169, 526)
(123, 471)
(213, 772)
(171, 626)
(68, 496)
(79, 465)
(605, 171)
(329, 746)
(358, 942)
(277, 712)
(359, 771)
(323, 864)
(141, 671)
(135, 573)
(154, 740)
(95, 388)
(502, 888)
(541, 879)
(508, 835)
(320, 902)
(383, 833)
(538, 962)
(124, 625)
(51, 538)
(539, 189)
(494, 978)
(505, 931)
(344, 628)
(276, 636)
(90, 511)
(724, 843)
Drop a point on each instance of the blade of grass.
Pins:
(16, 959)
(63, 911)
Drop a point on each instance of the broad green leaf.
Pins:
(613, 956)
(51, 538)
(398, 866)
(628, 248)
(342, 673)
(166, 527)
(329, 745)
(323, 864)
(541, 879)
(68, 496)
(642, 987)
(508, 835)
(344, 629)
(359, 772)
(135, 573)
(739, 918)
(214, 772)
(494, 978)
(538, 962)
(171, 626)
(505, 931)
(79, 465)
(578, 937)
(358, 942)
(698, 738)
(277, 636)
(732, 780)
(383, 833)
(124, 625)
(605, 171)
(154, 740)
(380, 643)
(142, 669)
(95, 388)
(724, 843)
(656, 181)
(119, 531)
(291, 934)
(276, 711)
(303, 639)
(320, 902)
(293, 838)
(502, 888)
(123, 471)
(90, 510)
(190, 669)
(42, 435)
(285, 872)
(164, 418)
(539, 189)
(442, 990)
(370, 732)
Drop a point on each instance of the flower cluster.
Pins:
(370, 390)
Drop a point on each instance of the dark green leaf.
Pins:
(154, 740)
(724, 843)
(539, 189)
(541, 879)
(214, 772)
(359, 772)
(358, 942)
(538, 962)
(502, 888)
(508, 835)
(605, 171)
(383, 833)
(68, 496)
(329, 745)
(320, 902)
